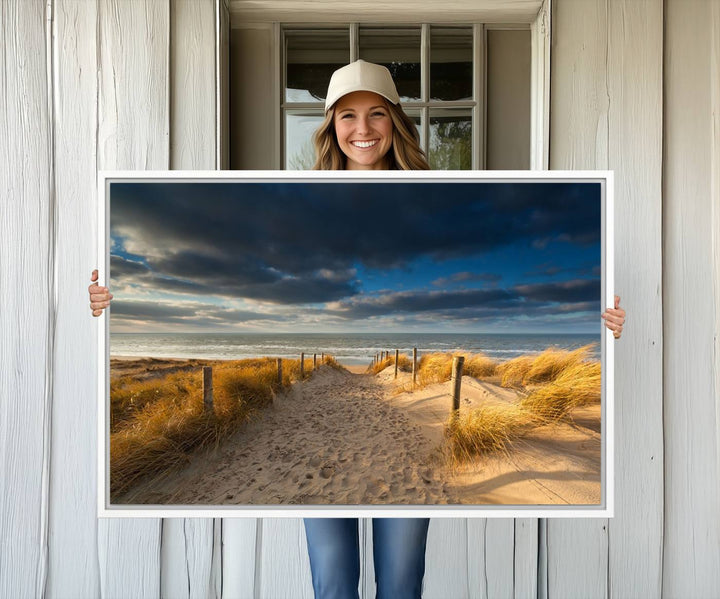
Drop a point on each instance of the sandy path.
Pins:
(330, 440)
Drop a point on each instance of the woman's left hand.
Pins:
(614, 318)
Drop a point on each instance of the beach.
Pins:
(344, 437)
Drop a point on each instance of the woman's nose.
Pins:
(363, 125)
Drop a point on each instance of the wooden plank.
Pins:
(447, 558)
(577, 553)
(72, 544)
(525, 559)
(192, 85)
(239, 552)
(635, 90)
(692, 399)
(282, 564)
(491, 548)
(27, 316)
(133, 127)
(187, 558)
(189, 565)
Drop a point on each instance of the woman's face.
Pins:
(364, 130)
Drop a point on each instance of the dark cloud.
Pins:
(483, 304)
(546, 269)
(467, 277)
(577, 290)
(259, 238)
(122, 268)
(188, 313)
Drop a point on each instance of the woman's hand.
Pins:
(614, 318)
(99, 296)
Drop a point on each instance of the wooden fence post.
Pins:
(279, 365)
(302, 365)
(314, 361)
(414, 378)
(397, 352)
(207, 389)
(457, 368)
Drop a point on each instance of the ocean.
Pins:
(347, 348)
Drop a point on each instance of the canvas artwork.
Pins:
(315, 341)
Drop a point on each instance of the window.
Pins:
(433, 68)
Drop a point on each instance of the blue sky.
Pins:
(476, 256)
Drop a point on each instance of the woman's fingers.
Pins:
(99, 296)
(614, 317)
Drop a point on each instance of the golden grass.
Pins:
(485, 430)
(157, 422)
(542, 368)
(404, 364)
(577, 385)
(437, 367)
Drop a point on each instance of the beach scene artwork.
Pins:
(355, 343)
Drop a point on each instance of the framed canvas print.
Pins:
(356, 344)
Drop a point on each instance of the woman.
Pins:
(365, 129)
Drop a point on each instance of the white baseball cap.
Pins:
(361, 76)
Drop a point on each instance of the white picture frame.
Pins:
(604, 509)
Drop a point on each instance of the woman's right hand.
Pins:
(99, 296)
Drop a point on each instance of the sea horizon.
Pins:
(348, 348)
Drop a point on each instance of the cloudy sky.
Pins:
(340, 256)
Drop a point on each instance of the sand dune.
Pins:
(341, 438)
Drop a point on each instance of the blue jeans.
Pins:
(398, 552)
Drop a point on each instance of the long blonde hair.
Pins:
(405, 154)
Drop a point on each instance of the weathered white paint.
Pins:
(282, 567)
(606, 112)
(192, 84)
(692, 399)
(607, 80)
(72, 549)
(133, 132)
(26, 306)
(446, 557)
(634, 76)
(239, 557)
(399, 11)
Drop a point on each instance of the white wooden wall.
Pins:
(132, 85)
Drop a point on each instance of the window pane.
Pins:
(299, 149)
(311, 58)
(414, 115)
(399, 51)
(450, 139)
(451, 54)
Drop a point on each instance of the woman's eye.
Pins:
(347, 115)
(379, 113)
